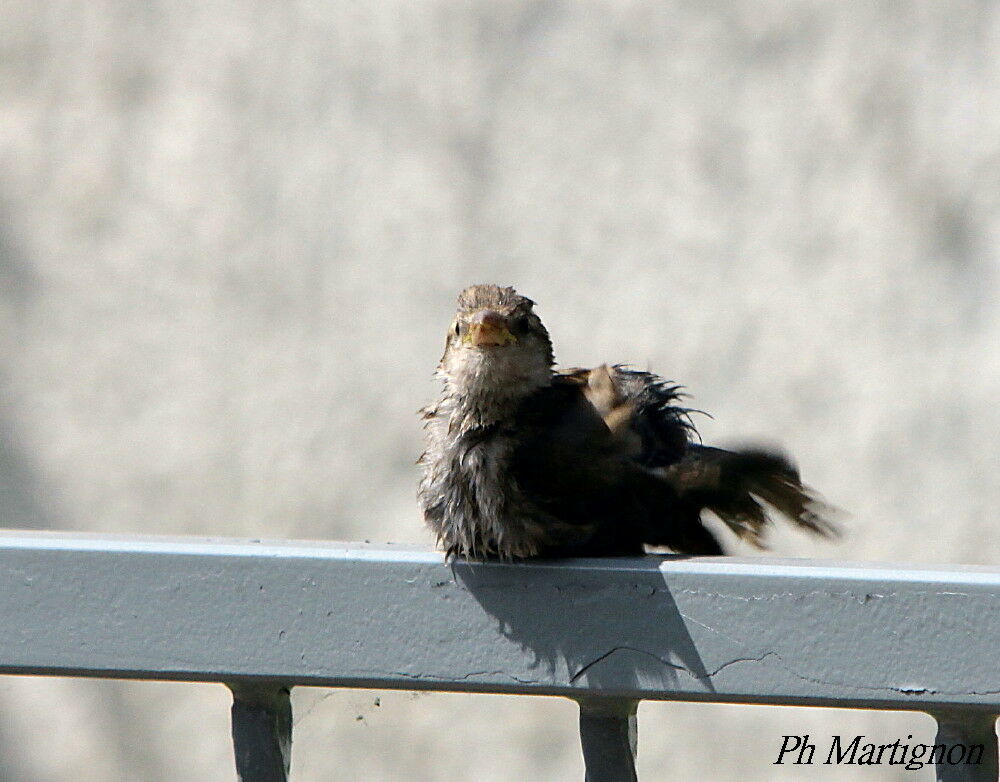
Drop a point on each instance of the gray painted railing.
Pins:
(263, 617)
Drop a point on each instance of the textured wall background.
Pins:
(230, 238)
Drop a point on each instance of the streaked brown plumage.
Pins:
(522, 461)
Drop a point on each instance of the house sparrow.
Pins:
(523, 461)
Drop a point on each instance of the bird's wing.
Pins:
(640, 409)
(642, 414)
(577, 469)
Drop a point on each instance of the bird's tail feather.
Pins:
(741, 486)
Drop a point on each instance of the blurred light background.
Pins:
(231, 234)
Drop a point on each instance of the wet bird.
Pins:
(524, 461)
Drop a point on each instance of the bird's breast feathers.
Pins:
(470, 499)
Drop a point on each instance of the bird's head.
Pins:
(497, 348)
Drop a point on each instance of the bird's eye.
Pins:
(521, 325)
(458, 329)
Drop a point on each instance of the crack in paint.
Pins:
(614, 649)
(861, 599)
(911, 690)
(696, 676)
(464, 677)
(725, 665)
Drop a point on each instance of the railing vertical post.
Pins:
(262, 732)
(608, 733)
(962, 732)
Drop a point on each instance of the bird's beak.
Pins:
(489, 328)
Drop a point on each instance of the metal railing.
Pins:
(264, 617)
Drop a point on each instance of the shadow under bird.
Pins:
(524, 461)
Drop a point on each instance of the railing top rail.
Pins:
(403, 552)
(759, 630)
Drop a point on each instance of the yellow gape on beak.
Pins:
(488, 328)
